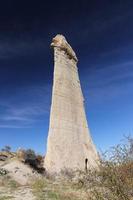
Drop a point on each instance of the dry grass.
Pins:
(114, 179)
(6, 198)
(7, 182)
(56, 190)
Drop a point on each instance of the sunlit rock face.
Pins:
(69, 144)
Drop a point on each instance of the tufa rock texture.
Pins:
(69, 144)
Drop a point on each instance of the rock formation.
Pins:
(69, 144)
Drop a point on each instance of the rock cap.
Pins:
(61, 42)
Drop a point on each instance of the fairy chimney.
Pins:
(69, 143)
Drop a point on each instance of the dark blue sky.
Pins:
(101, 33)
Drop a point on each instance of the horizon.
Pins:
(100, 34)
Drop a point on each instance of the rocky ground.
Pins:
(18, 181)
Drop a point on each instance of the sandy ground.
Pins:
(20, 172)
(23, 175)
(22, 193)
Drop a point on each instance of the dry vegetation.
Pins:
(113, 180)
(57, 190)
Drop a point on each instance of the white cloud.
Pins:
(103, 84)
(11, 48)
(33, 108)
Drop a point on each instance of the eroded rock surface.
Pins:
(69, 141)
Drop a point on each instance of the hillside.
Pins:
(112, 181)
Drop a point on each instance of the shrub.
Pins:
(3, 172)
(6, 148)
(29, 157)
(114, 179)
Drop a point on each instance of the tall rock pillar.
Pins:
(69, 144)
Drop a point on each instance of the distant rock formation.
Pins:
(69, 144)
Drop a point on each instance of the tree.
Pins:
(7, 148)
